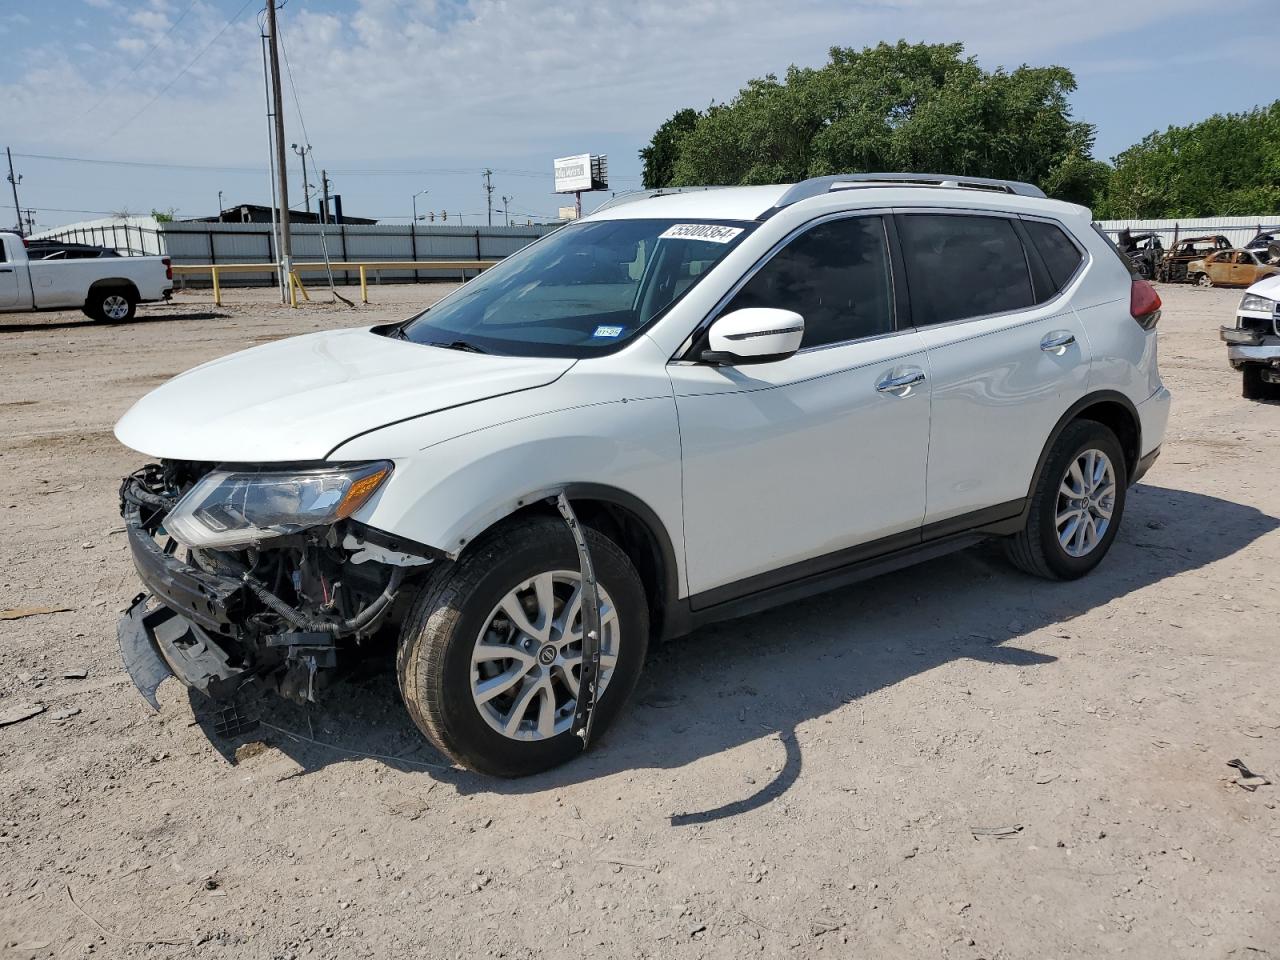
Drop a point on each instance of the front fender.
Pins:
(452, 491)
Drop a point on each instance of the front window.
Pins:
(585, 290)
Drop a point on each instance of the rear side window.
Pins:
(963, 266)
(836, 276)
(1061, 257)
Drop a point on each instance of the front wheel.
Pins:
(490, 656)
(1076, 507)
(1253, 387)
(1203, 280)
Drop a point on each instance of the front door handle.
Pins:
(901, 384)
(1057, 342)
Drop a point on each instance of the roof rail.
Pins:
(816, 186)
(634, 195)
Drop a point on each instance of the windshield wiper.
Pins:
(464, 345)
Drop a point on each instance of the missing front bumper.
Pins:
(158, 643)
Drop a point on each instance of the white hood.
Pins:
(1268, 287)
(298, 399)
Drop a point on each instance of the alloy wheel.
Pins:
(115, 307)
(1086, 501)
(527, 660)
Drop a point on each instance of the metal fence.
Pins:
(1239, 230)
(223, 243)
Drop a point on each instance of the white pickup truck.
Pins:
(108, 288)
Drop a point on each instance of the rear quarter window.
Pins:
(1062, 258)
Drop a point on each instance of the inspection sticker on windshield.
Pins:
(608, 333)
(712, 232)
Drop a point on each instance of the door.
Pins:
(1007, 354)
(791, 465)
(8, 281)
(1245, 272)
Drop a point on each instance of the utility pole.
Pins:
(30, 221)
(13, 182)
(324, 185)
(506, 217)
(277, 101)
(219, 206)
(306, 187)
(488, 189)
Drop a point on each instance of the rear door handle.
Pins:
(901, 384)
(1057, 342)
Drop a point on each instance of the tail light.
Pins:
(1144, 304)
(168, 273)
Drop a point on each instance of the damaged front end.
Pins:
(257, 578)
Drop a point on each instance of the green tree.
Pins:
(1227, 165)
(901, 107)
(660, 155)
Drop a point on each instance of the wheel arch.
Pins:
(1113, 410)
(629, 522)
(99, 287)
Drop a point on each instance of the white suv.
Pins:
(680, 409)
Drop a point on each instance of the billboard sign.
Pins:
(573, 173)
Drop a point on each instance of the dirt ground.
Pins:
(956, 761)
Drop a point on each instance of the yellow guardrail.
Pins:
(364, 267)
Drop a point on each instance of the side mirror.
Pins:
(754, 335)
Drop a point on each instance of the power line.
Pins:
(179, 75)
(156, 165)
(137, 63)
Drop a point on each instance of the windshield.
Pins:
(585, 290)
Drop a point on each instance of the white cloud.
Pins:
(443, 82)
(395, 79)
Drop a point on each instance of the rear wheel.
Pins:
(490, 657)
(111, 305)
(1076, 507)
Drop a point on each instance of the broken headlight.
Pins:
(227, 510)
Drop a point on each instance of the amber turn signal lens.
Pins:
(361, 491)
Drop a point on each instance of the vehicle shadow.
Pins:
(762, 676)
(86, 323)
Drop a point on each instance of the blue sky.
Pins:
(399, 96)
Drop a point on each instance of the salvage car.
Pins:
(775, 390)
(1144, 249)
(105, 288)
(1253, 342)
(1231, 268)
(1172, 267)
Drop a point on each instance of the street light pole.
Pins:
(219, 206)
(506, 216)
(415, 197)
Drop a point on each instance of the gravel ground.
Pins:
(957, 761)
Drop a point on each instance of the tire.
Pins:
(1037, 549)
(112, 305)
(1253, 387)
(1202, 280)
(458, 608)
